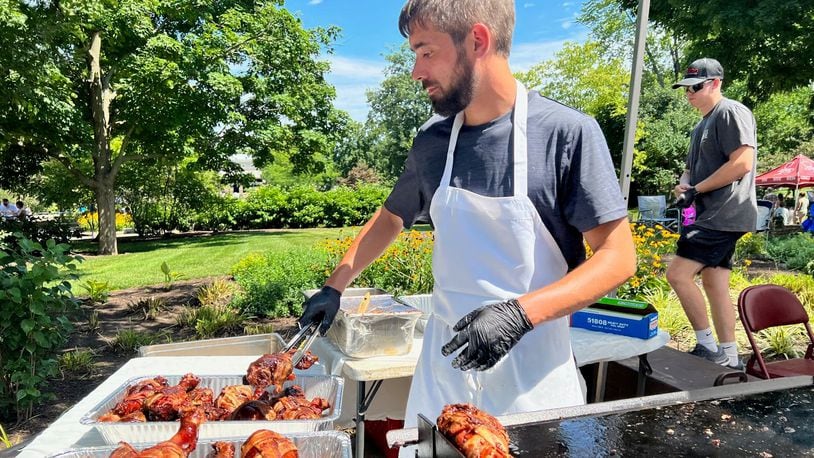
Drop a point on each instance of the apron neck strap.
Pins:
(519, 123)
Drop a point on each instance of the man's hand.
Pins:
(488, 333)
(322, 306)
(686, 198)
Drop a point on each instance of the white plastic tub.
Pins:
(385, 329)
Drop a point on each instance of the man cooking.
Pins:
(511, 182)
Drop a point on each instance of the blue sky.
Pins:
(370, 30)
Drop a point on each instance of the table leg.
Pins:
(363, 401)
(601, 376)
(644, 371)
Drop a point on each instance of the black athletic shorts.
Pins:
(709, 247)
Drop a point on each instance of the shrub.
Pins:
(37, 311)
(781, 341)
(128, 341)
(304, 206)
(218, 292)
(404, 268)
(98, 291)
(60, 230)
(750, 246)
(78, 361)
(651, 247)
(89, 221)
(795, 251)
(259, 328)
(217, 320)
(149, 307)
(272, 285)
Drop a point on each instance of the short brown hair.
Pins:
(456, 18)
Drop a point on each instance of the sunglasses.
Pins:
(696, 87)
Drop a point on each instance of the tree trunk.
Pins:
(106, 206)
(104, 173)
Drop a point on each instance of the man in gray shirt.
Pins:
(719, 180)
(511, 182)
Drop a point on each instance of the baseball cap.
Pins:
(700, 71)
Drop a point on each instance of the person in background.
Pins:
(782, 215)
(23, 212)
(720, 179)
(801, 208)
(511, 182)
(7, 210)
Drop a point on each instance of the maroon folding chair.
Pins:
(766, 306)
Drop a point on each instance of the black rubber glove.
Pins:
(488, 333)
(322, 306)
(686, 198)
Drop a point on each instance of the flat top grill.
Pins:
(750, 419)
(777, 422)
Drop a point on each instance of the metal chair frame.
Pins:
(653, 210)
(765, 306)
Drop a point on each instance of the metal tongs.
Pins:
(302, 342)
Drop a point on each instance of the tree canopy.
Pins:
(95, 84)
(765, 43)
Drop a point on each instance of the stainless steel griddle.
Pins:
(760, 418)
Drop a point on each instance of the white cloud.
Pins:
(314, 2)
(352, 77)
(525, 55)
(528, 5)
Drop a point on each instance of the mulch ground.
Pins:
(115, 315)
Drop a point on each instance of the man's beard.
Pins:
(460, 91)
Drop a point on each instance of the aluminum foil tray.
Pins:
(324, 386)
(385, 329)
(257, 344)
(322, 444)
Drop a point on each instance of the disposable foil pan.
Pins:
(322, 444)
(325, 386)
(257, 344)
(385, 329)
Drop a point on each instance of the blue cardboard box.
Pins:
(619, 316)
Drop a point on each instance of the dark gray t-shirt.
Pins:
(571, 180)
(726, 128)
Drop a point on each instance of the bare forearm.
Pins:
(376, 235)
(613, 262)
(738, 165)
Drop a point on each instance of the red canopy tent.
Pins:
(796, 173)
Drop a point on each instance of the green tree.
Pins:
(584, 77)
(613, 27)
(784, 123)
(96, 84)
(581, 76)
(765, 43)
(398, 108)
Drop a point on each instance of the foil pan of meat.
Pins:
(320, 444)
(147, 425)
(372, 326)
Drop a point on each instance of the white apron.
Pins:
(490, 249)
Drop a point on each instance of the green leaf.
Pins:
(27, 325)
(41, 339)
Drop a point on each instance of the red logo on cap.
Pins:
(692, 71)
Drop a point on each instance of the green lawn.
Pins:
(139, 262)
